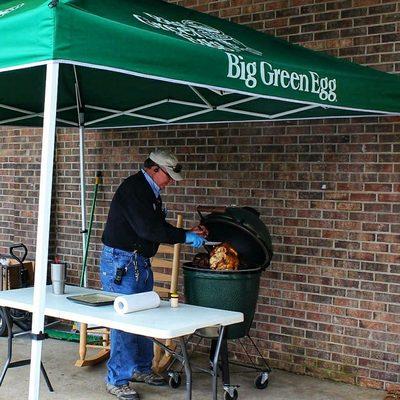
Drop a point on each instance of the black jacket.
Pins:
(136, 220)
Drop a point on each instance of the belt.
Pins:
(138, 249)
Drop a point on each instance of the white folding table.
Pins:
(163, 322)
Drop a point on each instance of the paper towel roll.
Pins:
(136, 302)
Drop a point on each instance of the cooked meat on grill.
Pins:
(201, 260)
(224, 256)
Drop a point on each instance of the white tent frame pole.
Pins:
(31, 114)
(82, 171)
(131, 112)
(43, 227)
(83, 195)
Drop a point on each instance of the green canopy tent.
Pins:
(102, 64)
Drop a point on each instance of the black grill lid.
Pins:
(242, 228)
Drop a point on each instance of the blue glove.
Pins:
(194, 239)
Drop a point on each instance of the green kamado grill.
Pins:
(236, 290)
(230, 290)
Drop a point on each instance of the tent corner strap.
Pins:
(39, 336)
(53, 3)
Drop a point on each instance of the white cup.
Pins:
(58, 278)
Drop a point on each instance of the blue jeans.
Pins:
(129, 352)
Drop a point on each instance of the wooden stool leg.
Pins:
(163, 358)
(97, 358)
(106, 338)
(157, 357)
(82, 341)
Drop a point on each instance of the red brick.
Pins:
(395, 197)
(370, 383)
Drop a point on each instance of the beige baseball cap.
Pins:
(168, 162)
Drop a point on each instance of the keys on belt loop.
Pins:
(135, 265)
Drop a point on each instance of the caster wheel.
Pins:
(234, 396)
(262, 380)
(174, 381)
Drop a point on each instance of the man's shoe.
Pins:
(123, 392)
(149, 377)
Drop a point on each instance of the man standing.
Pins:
(135, 227)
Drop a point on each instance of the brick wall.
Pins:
(328, 190)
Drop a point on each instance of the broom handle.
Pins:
(96, 188)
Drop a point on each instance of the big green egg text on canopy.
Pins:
(147, 62)
(127, 63)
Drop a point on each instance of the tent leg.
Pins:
(83, 192)
(43, 227)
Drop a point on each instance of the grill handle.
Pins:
(210, 209)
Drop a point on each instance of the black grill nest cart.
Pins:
(236, 290)
(22, 319)
(16, 276)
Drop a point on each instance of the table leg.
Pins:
(225, 363)
(215, 362)
(6, 319)
(188, 370)
(46, 378)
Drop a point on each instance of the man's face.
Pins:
(161, 177)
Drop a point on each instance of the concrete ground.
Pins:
(75, 383)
